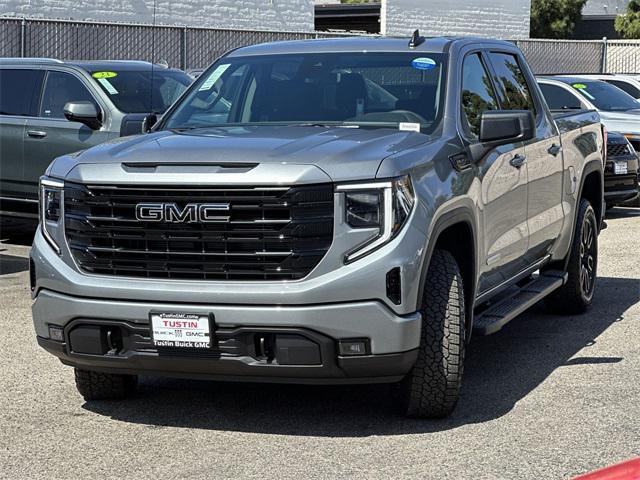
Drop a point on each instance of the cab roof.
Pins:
(359, 44)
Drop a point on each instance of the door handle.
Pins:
(36, 133)
(554, 150)
(518, 161)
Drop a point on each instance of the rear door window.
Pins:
(478, 94)
(20, 91)
(559, 98)
(59, 89)
(514, 92)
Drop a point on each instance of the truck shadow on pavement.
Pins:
(12, 264)
(501, 370)
(17, 231)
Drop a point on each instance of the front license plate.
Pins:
(183, 330)
(620, 168)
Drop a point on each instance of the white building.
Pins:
(486, 18)
(295, 15)
(490, 18)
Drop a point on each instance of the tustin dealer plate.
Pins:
(181, 330)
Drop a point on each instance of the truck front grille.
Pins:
(618, 150)
(278, 233)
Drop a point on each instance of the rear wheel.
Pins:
(576, 295)
(104, 386)
(432, 388)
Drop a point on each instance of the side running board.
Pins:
(499, 314)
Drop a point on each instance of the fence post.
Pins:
(605, 47)
(23, 37)
(183, 53)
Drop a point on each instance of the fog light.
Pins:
(353, 347)
(394, 286)
(32, 274)
(56, 333)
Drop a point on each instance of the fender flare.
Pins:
(445, 220)
(592, 166)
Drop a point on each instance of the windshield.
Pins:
(606, 97)
(131, 92)
(348, 89)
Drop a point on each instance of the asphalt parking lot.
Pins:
(547, 397)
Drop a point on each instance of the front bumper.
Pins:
(392, 339)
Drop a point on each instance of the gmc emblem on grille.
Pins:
(191, 213)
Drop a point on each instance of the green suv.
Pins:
(50, 108)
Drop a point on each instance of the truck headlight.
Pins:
(381, 206)
(51, 192)
(634, 140)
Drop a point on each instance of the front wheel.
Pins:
(432, 387)
(576, 295)
(104, 386)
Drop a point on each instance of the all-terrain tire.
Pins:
(576, 295)
(104, 386)
(432, 387)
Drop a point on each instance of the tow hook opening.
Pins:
(96, 340)
(114, 340)
(265, 344)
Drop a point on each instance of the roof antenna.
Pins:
(416, 39)
(151, 119)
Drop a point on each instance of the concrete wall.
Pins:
(487, 18)
(294, 15)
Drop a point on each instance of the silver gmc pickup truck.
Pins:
(325, 211)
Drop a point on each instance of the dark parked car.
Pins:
(50, 108)
(621, 171)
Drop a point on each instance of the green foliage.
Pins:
(628, 25)
(555, 18)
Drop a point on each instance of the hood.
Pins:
(341, 153)
(624, 122)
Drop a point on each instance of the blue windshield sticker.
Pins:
(423, 63)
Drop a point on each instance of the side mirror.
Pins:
(499, 127)
(83, 112)
(506, 126)
(148, 122)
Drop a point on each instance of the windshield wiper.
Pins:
(324, 125)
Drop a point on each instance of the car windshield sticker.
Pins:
(99, 75)
(213, 78)
(107, 86)
(582, 88)
(423, 63)
(409, 127)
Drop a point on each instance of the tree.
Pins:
(555, 18)
(628, 25)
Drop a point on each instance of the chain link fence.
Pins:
(187, 47)
(623, 56)
(552, 56)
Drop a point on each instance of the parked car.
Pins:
(287, 222)
(620, 171)
(49, 108)
(629, 83)
(618, 110)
